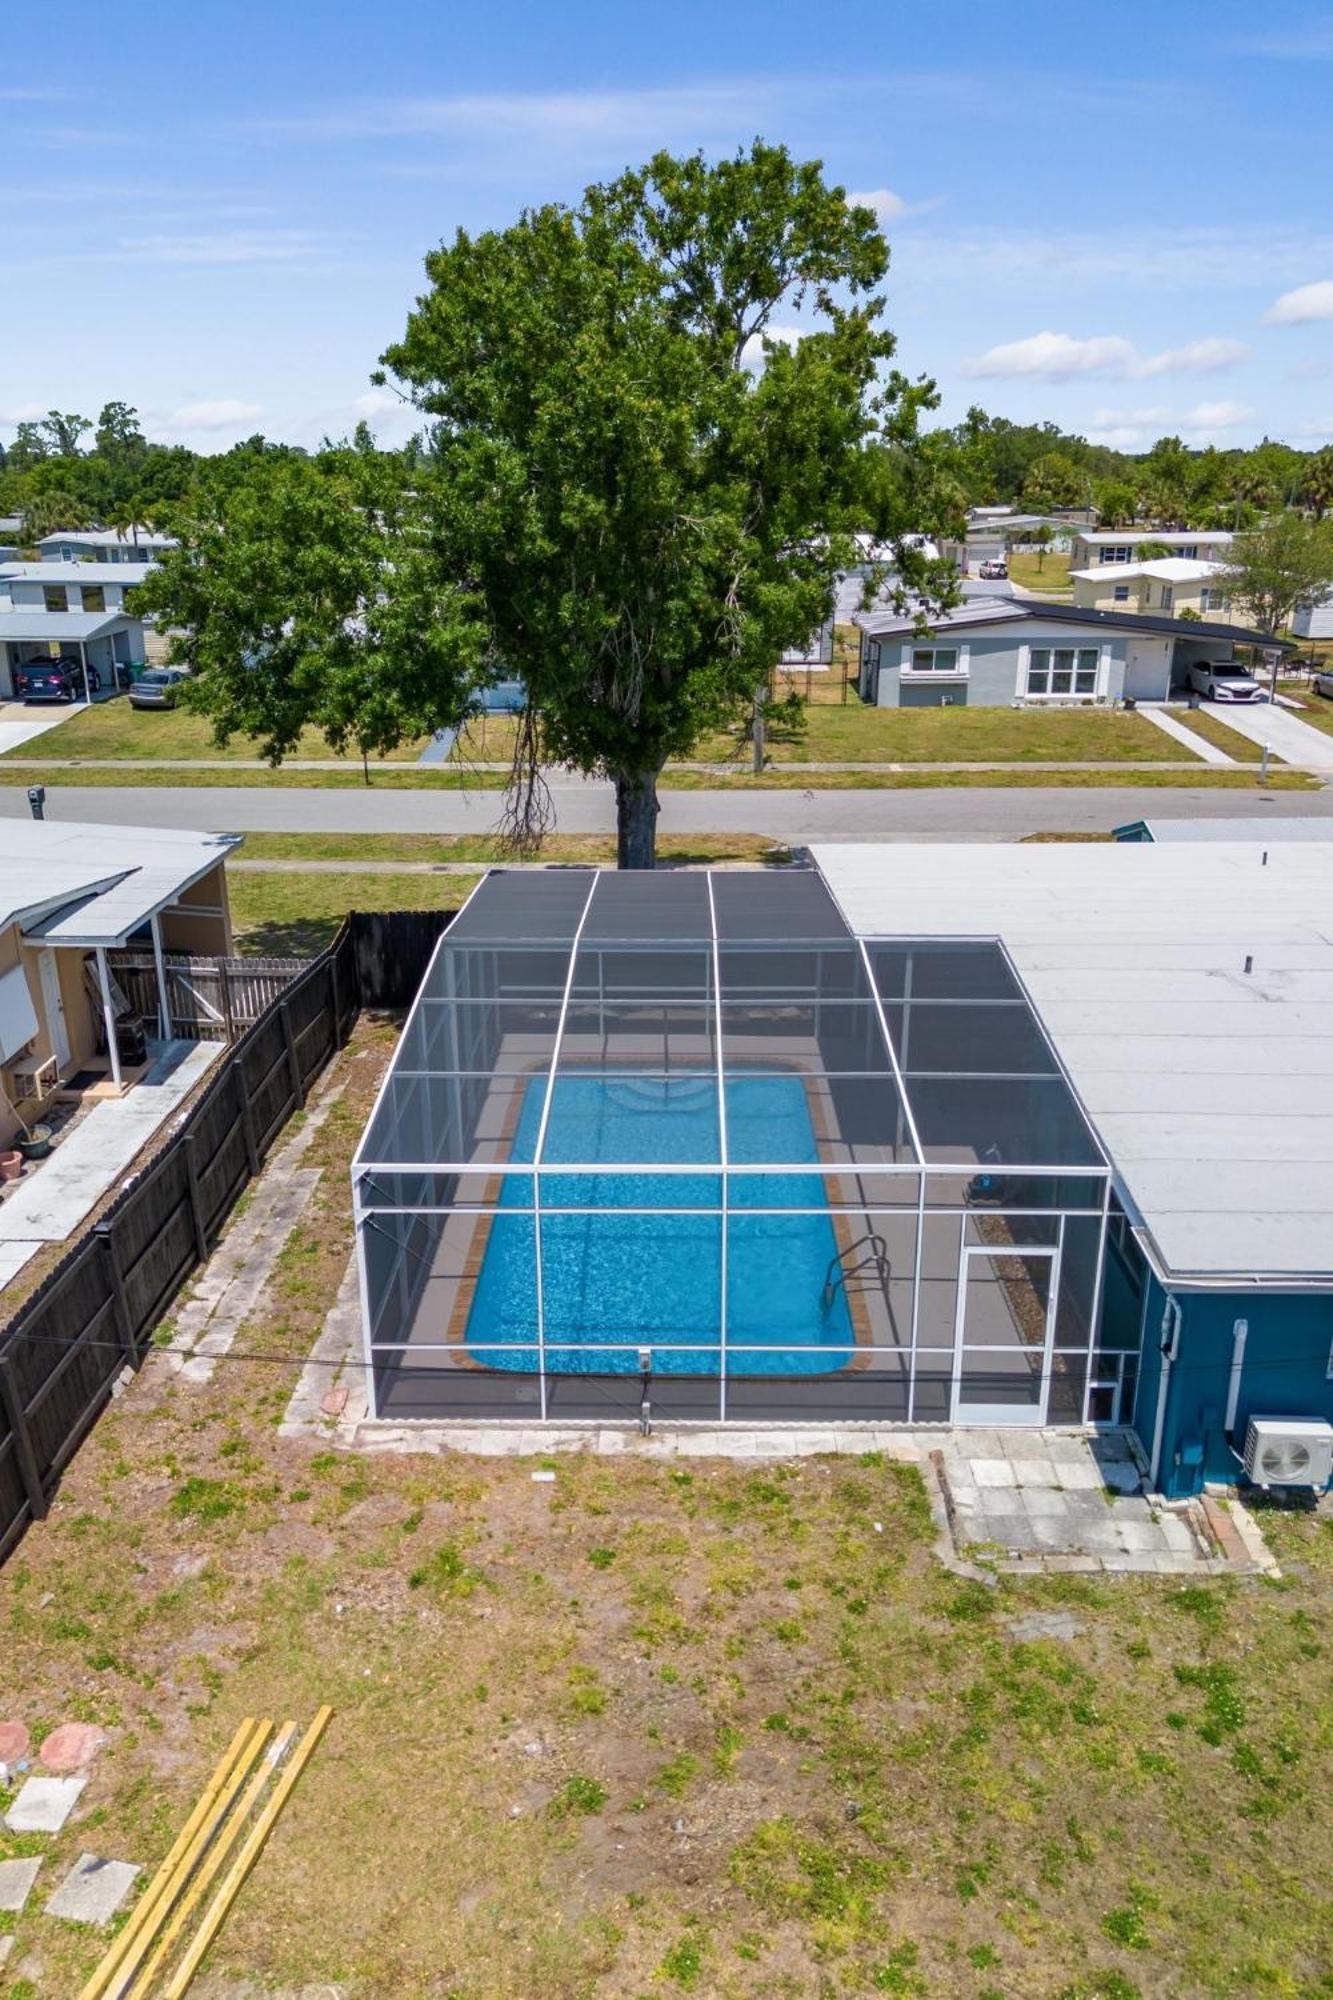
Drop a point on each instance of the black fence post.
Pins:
(335, 998)
(11, 1403)
(196, 1199)
(247, 1117)
(293, 1060)
(124, 1326)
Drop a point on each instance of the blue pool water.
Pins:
(653, 1278)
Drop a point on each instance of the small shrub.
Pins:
(579, 1795)
(683, 1963)
(201, 1499)
(674, 1778)
(445, 1574)
(601, 1558)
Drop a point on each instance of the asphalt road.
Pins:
(944, 813)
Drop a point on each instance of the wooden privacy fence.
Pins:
(211, 999)
(95, 1313)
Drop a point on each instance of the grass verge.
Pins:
(285, 914)
(1202, 722)
(657, 1727)
(114, 729)
(442, 849)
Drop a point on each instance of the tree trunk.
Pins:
(758, 731)
(636, 819)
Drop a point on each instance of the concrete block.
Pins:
(992, 1471)
(44, 1805)
(1044, 1503)
(16, 1880)
(93, 1890)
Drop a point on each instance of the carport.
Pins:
(98, 640)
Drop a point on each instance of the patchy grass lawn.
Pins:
(442, 849)
(1203, 722)
(114, 729)
(283, 914)
(1316, 709)
(1025, 777)
(1048, 575)
(856, 733)
(659, 1728)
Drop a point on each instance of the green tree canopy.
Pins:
(302, 595)
(1283, 562)
(649, 478)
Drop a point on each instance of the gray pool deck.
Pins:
(1016, 1502)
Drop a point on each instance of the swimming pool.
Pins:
(654, 1278)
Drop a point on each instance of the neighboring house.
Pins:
(11, 529)
(1002, 652)
(1167, 583)
(1091, 547)
(993, 531)
(1184, 998)
(71, 609)
(72, 893)
(103, 545)
(1313, 621)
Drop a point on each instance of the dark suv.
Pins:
(48, 680)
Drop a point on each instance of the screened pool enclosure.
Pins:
(686, 1127)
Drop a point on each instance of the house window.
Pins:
(1212, 600)
(1062, 670)
(1168, 596)
(1190, 552)
(935, 660)
(1115, 552)
(94, 597)
(1121, 593)
(54, 597)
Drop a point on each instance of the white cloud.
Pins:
(752, 354)
(1150, 260)
(888, 206)
(230, 246)
(1306, 303)
(21, 413)
(1132, 429)
(550, 117)
(1196, 357)
(225, 414)
(1058, 357)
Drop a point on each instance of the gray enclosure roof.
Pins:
(1211, 1085)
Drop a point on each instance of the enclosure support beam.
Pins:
(163, 997)
(108, 1016)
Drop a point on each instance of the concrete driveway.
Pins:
(936, 813)
(19, 724)
(1296, 742)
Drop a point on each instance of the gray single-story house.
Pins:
(1001, 652)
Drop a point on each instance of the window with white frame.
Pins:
(1168, 596)
(1062, 670)
(1115, 552)
(1121, 593)
(1211, 599)
(936, 660)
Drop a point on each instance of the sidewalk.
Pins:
(1296, 742)
(1162, 719)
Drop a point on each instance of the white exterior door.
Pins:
(53, 1007)
(1148, 669)
(1003, 1332)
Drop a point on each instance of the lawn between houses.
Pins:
(655, 1727)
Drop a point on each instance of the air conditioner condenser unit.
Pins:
(1289, 1451)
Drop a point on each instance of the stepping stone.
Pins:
(93, 1890)
(71, 1747)
(1045, 1625)
(16, 1880)
(44, 1805)
(14, 1742)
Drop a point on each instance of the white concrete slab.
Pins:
(44, 1804)
(1292, 740)
(50, 1205)
(93, 1890)
(16, 1880)
(19, 724)
(13, 1256)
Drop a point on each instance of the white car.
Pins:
(1322, 681)
(1224, 680)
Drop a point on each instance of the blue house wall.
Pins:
(1287, 1373)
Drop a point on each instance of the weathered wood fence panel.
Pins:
(211, 999)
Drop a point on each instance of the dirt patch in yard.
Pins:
(652, 1727)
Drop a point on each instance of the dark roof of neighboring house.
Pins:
(982, 611)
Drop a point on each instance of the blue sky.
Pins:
(1118, 220)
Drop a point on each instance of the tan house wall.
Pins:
(78, 1012)
(201, 921)
(1145, 594)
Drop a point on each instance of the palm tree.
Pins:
(1317, 485)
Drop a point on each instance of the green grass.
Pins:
(910, 1801)
(856, 733)
(114, 729)
(281, 914)
(1038, 775)
(1050, 578)
(1316, 709)
(1211, 727)
(442, 849)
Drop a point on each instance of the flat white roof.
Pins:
(28, 622)
(105, 538)
(77, 572)
(1096, 535)
(1210, 1087)
(1170, 569)
(73, 883)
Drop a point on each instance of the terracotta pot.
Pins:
(11, 1166)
